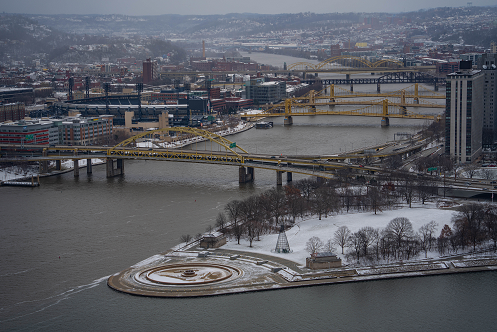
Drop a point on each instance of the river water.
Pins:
(59, 242)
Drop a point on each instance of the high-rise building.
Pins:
(464, 113)
(150, 71)
(488, 64)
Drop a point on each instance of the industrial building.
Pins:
(464, 113)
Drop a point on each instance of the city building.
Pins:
(150, 71)
(322, 260)
(85, 131)
(488, 64)
(464, 113)
(29, 132)
(11, 95)
(12, 112)
(265, 92)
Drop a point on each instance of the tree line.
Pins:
(263, 213)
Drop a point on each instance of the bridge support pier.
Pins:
(76, 167)
(279, 178)
(288, 121)
(89, 166)
(351, 87)
(289, 177)
(385, 122)
(43, 166)
(111, 171)
(378, 89)
(58, 165)
(347, 76)
(436, 87)
(245, 174)
(44, 163)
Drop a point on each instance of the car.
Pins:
(361, 166)
(493, 182)
(495, 187)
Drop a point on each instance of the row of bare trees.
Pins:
(474, 227)
(397, 241)
(259, 214)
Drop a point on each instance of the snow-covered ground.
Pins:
(16, 172)
(155, 143)
(299, 234)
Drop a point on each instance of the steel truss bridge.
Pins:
(228, 154)
(322, 167)
(390, 78)
(348, 61)
(341, 64)
(308, 105)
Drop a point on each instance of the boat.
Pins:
(264, 125)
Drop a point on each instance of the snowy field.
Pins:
(15, 172)
(299, 234)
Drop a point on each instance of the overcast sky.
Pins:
(157, 7)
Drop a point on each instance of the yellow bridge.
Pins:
(229, 153)
(347, 61)
(308, 105)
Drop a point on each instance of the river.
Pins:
(60, 241)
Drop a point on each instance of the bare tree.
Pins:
(185, 238)
(328, 246)
(426, 233)
(400, 229)
(375, 199)
(471, 170)
(468, 224)
(368, 236)
(233, 209)
(341, 237)
(313, 245)
(221, 220)
(294, 201)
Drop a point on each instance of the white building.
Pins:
(464, 113)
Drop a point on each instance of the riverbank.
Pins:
(263, 272)
(263, 269)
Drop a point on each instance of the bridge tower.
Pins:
(332, 92)
(385, 121)
(288, 113)
(416, 93)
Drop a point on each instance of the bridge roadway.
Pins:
(321, 166)
(338, 70)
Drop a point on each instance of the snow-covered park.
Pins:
(303, 230)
